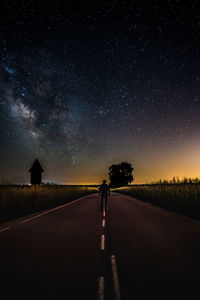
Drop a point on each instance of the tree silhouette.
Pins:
(120, 174)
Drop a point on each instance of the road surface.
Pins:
(75, 252)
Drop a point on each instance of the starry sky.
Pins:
(85, 85)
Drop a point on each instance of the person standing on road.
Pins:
(104, 191)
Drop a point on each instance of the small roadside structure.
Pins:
(36, 172)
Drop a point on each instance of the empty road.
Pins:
(134, 250)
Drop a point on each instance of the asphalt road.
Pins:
(75, 252)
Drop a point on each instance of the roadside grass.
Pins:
(180, 198)
(17, 201)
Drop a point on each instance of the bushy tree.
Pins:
(120, 174)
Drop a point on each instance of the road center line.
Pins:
(102, 242)
(4, 229)
(49, 211)
(103, 223)
(115, 278)
(101, 289)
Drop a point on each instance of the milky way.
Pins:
(82, 87)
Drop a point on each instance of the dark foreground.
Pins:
(62, 254)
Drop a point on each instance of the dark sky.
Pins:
(86, 85)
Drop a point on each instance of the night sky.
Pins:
(83, 86)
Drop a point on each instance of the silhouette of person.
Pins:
(104, 191)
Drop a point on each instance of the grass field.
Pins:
(183, 198)
(17, 201)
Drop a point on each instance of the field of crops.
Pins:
(181, 198)
(17, 201)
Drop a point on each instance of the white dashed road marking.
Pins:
(101, 289)
(103, 242)
(115, 278)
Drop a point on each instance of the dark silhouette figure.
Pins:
(104, 191)
(36, 172)
(120, 174)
